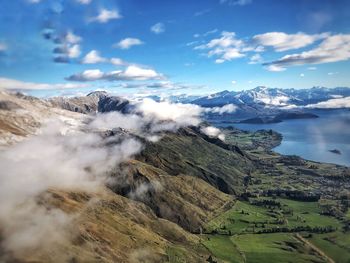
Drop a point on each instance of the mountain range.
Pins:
(273, 97)
(175, 193)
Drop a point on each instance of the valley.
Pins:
(185, 197)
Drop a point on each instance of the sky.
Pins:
(72, 47)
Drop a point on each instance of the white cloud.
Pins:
(213, 132)
(332, 73)
(332, 104)
(34, 1)
(128, 43)
(68, 47)
(255, 59)
(72, 160)
(71, 38)
(73, 51)
(135, 72)
(311, 68)
(281, 41)
(302, 75)
(12, 84)
(130, 73)
(158, 28)
(84, 2)
(118, 62)
(179, 114)
(233, 82)
(93, 57)
(236, 2)
(105, 15)
(228, 108)
(274, 68)
(332, 49)
(226, 48)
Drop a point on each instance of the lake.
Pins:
(313, 138)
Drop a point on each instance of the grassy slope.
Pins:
(189, 153)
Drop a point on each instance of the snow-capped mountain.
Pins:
(273, 97)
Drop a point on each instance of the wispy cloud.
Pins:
(84, 2)
(274, 68)
(12, 84)
(332, 49)
(255, 59)
(158, 28)
(281, 41)
(128, 43)
(202, 12)
(236, 2)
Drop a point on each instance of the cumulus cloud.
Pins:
(128, 43)
(12, 84)
(106, 15)
(225, 48)
(213, 132)
(332, 49)
(130, 73)
(67, 47)
(71, 38)
(158, 28)
(169, 116)
(281, 41)
(332, 104)
(93, 57)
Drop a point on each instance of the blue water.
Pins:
(313, 138)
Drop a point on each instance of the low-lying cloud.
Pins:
(72, 157)
(213, 132)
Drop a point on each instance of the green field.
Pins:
(335, 245)
(239, 234)
(248, 218)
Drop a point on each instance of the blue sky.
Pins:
(54, 47)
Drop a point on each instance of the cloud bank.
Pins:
(74, 156)
(132, 72)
